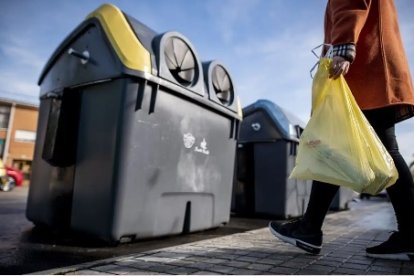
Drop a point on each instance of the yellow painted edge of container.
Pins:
(127, 46)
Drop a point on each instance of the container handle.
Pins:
(84, 56)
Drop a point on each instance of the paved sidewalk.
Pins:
(346, 234)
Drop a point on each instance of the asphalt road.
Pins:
(26, 249)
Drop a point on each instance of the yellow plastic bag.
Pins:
(338, 145)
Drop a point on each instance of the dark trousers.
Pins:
(401, 193)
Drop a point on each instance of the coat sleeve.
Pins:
(348, 18)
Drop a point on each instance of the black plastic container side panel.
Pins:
(164, 168)
(59, 148)
(50, 194)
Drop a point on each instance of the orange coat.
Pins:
(379, 76)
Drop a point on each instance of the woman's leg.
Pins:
(401, 193)
(320, 200)
(400, 245)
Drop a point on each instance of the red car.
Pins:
(16, 174)
(9, 177)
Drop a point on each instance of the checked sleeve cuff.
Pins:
(347, 51)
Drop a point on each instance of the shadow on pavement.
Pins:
(33, 249)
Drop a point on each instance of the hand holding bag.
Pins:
(338, 145)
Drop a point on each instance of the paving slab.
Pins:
(257, 252)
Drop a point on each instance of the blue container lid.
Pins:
(286, 122)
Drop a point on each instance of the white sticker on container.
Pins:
(188, 140)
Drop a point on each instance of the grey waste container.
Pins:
(266, 153)
(136, 136)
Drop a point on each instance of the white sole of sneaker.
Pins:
(396, 256)
(310, 248)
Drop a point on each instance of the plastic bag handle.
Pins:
(328, 54)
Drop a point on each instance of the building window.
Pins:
(25, 136)
(4, 116)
